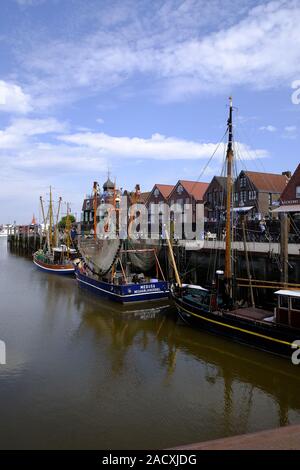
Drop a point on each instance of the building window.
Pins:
(252, 195)
(298, 192)
(236, 197)
(156, 192)
(270, 199)
(243, 196)
(243, 182)
(209, 197)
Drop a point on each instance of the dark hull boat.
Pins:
(131, 292)
(252, 326)
(218, 309)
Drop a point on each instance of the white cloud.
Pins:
(29, 2)
(20, 131)
(13, 99)
(157, 147)
(262, 50)
(100, 121)
(268, 128)
(290, 128)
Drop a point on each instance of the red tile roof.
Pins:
(268, 182)
(194, 188)
(288, 192)
(165, 189)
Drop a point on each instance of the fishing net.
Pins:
(100, 255)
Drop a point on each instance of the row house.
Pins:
(183, 192)
(254, 193)
(290, 196)
(215, 199)
(257, 193)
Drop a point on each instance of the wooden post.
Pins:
(284, 243)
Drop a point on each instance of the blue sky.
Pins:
(141, 88)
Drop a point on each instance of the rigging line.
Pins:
(205, 167)
(210, 159)
(257, 160)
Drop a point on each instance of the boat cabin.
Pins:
(288, 308)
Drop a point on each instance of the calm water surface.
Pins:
(84, 373)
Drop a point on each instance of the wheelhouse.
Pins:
(288, 308)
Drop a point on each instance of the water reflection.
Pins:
(91, 374)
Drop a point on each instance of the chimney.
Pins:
(288, 174)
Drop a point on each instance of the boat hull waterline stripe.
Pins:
(237, 328)
(122, 295)
(60, 270)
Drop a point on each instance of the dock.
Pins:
(283, 438)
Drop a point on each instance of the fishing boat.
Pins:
(54, 258)
(58, 261)
(107, 265)
(4, 230)
(216, 309)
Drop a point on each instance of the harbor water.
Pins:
(84, 373)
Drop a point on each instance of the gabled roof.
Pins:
(267, 182)
(164, 189)
(144, 196)
(222, 180)
(193, 188)
(295, 180)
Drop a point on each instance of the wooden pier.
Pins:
(25, 239)
(283, 438)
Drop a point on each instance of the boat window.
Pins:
(201, 296)
(284, 301)
(295, 304)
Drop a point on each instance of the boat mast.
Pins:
(56, 239)
(95, 190)
(68, 229)
(50, 220)
(45, 223)
(229, 160)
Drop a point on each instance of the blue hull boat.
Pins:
(131, 292)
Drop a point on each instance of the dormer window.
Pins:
(297, 192)
(179, 189)
(243, 182)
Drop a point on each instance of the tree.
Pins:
(62, 222)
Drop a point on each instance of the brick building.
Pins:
(259, 192)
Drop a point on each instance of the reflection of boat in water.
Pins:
(216, 360)
(218, 308)
(114, 267)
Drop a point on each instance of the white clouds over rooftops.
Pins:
(157, 147)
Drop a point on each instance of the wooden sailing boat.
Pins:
(215, 309)
(55, 258)
(105, 268)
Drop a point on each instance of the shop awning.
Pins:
(242, 209)
(287, 208)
